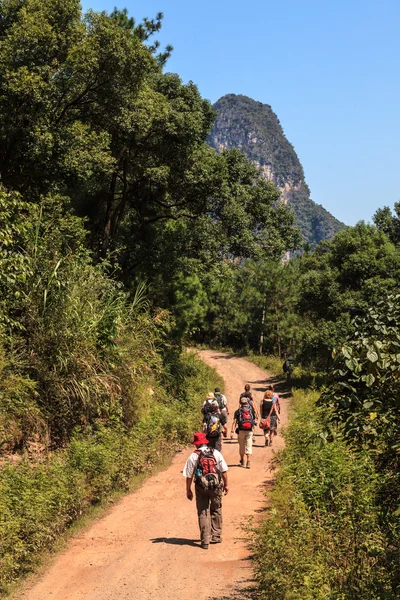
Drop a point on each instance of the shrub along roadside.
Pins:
(321, 539)
(40, 500)
(302, 377)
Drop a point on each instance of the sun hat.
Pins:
(244, 400)
(214, 404)
(210, 396)
(199, 438)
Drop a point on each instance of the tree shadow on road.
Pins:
(176, 541)
(245, 591)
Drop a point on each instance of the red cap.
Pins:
(199, 438)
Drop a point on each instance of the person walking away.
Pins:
(287, 368)
(247, 394)
(275, 398)
(268, 411)
(244, 422)
(222, 401)
(208, 469)
(207, 403)
(214, 426)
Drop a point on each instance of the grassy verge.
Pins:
(301, 377)
(39, 500)
(321, 538)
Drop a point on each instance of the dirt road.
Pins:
(147, 547)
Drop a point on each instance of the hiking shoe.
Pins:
(216, 541)
(248, 466)
(204, 546)
(266, 441)
(270, 443)
(241, 462)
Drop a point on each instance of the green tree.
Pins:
(388, 222)
(340, 279)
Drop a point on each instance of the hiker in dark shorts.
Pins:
(214, 426)
(208, 498)
(268, 410)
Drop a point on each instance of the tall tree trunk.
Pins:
(262, 328)
(278, 337)
(105, 241)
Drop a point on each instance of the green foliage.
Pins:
(74, 346)
(365, 392)
(340, 279)
(363, 401)
(321, 538)
(389, 223)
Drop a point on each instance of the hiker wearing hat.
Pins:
(209, 470)
(207, 403)
(244, 421)
(214, 426)
(222, 401)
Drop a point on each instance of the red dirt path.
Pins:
(147, 546)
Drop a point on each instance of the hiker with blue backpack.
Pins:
(207, 467)
(244, 421)
(214, 426)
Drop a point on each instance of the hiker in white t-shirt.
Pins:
(208, 469)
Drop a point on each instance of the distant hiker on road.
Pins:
(287, 368)
(222, 401)
(244, 421)
(269, 416)
(207, 403)
(209, 470)
(214, 426)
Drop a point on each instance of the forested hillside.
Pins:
(255, 129)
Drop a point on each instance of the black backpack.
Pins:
(286, 366)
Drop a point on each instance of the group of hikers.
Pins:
(207, 467)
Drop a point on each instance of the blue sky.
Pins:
(330, 71)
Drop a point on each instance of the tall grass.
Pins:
(321, 539)
(92, 390)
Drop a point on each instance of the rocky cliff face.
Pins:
(254, 128)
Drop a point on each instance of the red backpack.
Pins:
(207, 474)
(245, 418)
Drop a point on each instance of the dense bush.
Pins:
(75, 345)
(321, 539)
